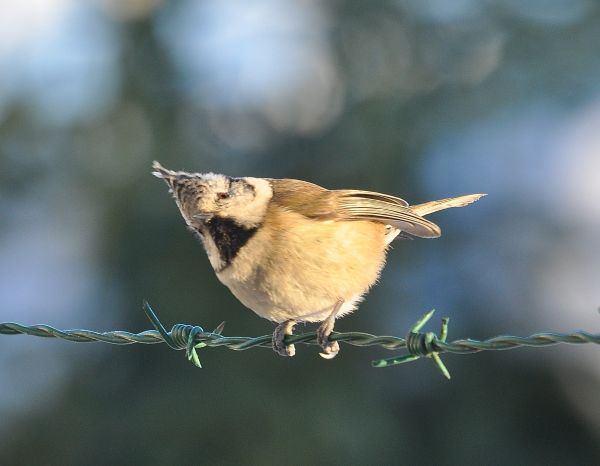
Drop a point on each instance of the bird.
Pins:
(293, 251)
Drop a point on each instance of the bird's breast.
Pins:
(294, 267)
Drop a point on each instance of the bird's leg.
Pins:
(283, 329)
(330, 348)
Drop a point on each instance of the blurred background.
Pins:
(419, 98)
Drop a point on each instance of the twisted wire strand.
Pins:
(506, 342)
(418, 344)
(462, 346)
(152, 337)
(117, 337)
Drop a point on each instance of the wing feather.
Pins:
(316, 202)
(390, 213)
(372, 195)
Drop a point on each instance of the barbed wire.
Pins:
(418, 344)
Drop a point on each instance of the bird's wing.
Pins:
(308, 199)
(364, 205)
(371, 195)
(316, 202)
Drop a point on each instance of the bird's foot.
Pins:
(281, 331)
(330, 348)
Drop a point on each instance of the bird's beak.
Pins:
(202, 217)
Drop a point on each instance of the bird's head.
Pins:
(203, 196)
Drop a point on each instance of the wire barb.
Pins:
(418, 344)
(421, 345)
(183, 336)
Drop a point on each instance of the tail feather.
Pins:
(434, 206)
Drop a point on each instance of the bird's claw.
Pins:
(330, 348)
(281, 331)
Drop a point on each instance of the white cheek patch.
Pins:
(251, 214)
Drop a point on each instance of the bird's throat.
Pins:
(225, 239)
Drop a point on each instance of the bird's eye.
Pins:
(223, 195)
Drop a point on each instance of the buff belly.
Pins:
(303, 271)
